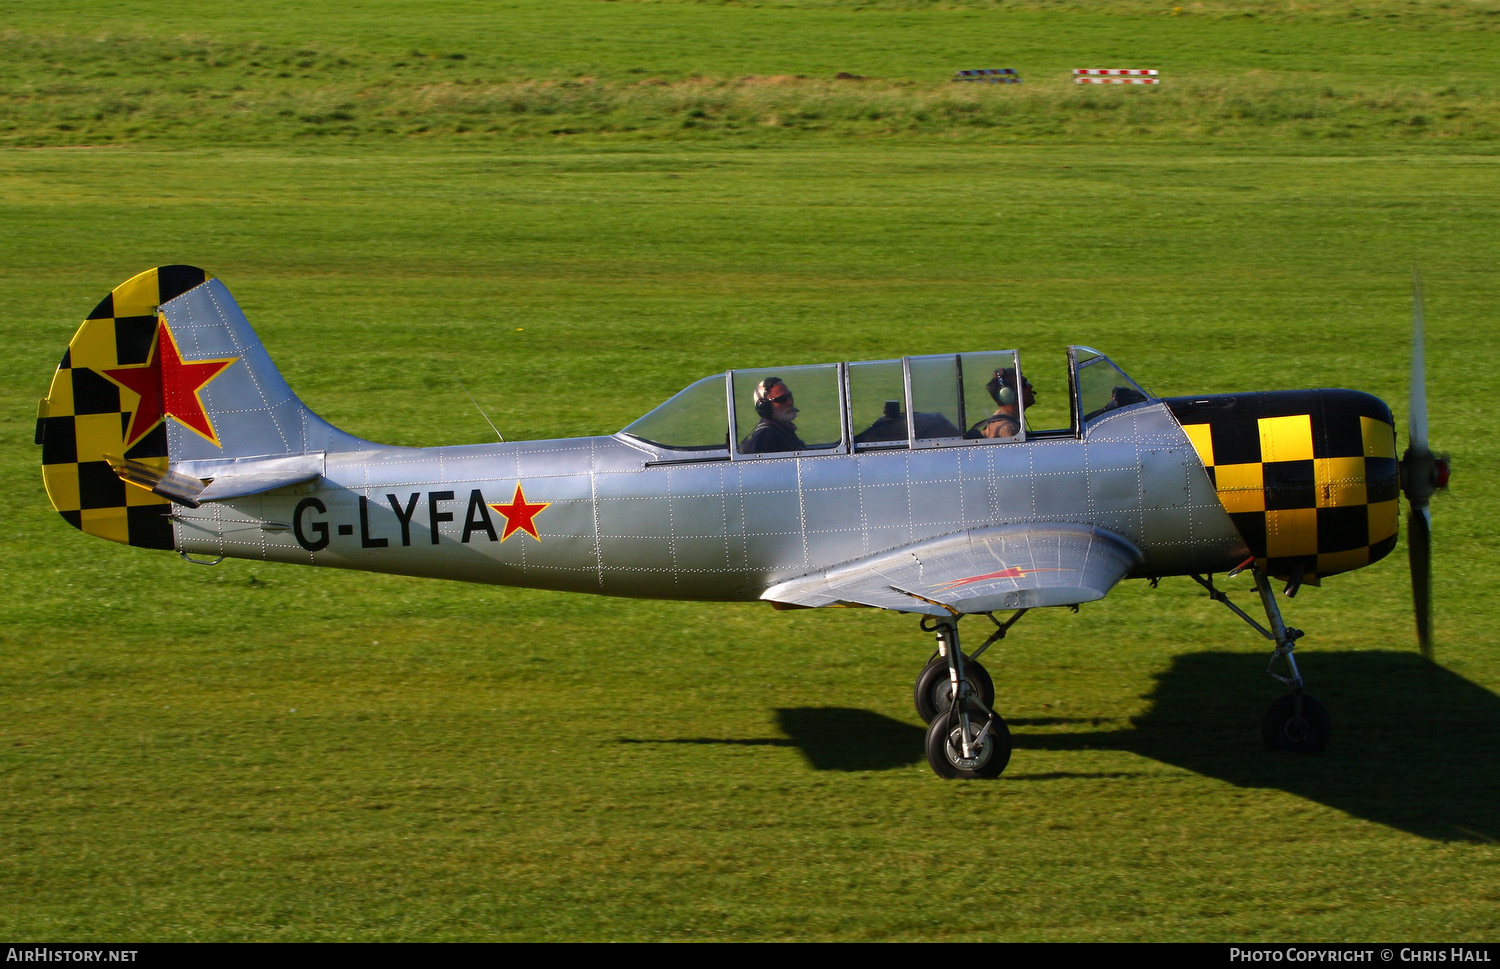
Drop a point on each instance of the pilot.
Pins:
(775, 432)
(1006, 421)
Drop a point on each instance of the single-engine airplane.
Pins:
(167, 426)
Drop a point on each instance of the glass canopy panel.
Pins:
(936, 406)
(817, 421)
(981, 384)
(877, 403)
(694, 419)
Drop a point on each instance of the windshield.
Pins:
(1102, 386)
(694, 419)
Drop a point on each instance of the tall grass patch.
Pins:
(748, 73)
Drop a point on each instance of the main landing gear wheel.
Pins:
(1306, 732)
(988, 756)
(934, 690)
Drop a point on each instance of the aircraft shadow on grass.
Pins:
(1414, 745)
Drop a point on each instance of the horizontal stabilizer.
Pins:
(181, 488)
(193, 482)
(1020, 566)
(238, 477)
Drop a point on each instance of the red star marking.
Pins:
(520, 515)
(1014, 572)
(168, 387)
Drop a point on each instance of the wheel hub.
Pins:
(982, 750)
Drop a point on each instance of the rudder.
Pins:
(165, 375)
(83, 417)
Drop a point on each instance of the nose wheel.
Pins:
(1298, 723)
(1295, 722)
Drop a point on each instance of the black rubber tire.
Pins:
(1284, 730)
(933, 693)
(944, 753)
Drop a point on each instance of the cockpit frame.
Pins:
(842, 398)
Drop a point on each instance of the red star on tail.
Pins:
(520, 515)
(168, 387)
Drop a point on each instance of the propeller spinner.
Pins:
(1423, 472)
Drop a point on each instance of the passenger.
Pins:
(1006, 421)
(775, 432)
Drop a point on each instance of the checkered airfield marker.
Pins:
(1096, 75)
(989, 75)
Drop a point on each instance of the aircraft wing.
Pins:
(1018, 566)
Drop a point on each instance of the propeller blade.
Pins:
(1422, 474)
(1417, 417)
(1419, 550)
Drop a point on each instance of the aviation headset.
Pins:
(1002, 386)
(762, 395)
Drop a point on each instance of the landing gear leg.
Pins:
(933, 693)
(967, 738)
(1295, 722)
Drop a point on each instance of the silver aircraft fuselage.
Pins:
(623, 518)
(168, 426)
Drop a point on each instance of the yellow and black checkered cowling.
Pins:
(1309, 477)
(82, 418)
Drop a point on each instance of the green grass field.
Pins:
(591, 206)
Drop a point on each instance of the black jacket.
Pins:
(770, 436)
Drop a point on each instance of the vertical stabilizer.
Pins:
(165, 370)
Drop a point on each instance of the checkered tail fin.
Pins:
(163, 394)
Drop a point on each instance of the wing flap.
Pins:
(1019, 566)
